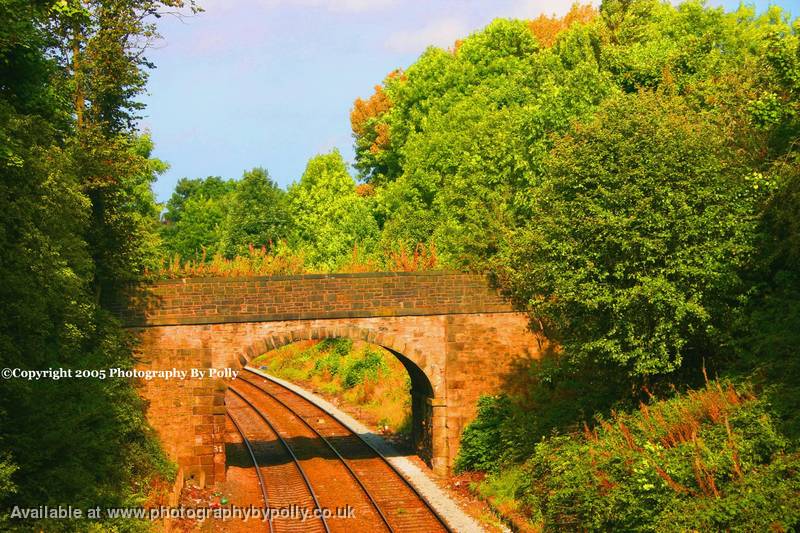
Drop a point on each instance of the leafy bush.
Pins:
(7, 487)
(707, 460)
(340, 347)
(504, 489)
(481, 442)
(368, 367)
(545, 396)
(633, 249)
(334, 350)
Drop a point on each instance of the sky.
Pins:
(271, 83)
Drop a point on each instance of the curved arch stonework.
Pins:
(425, 370)
(426, 363)
(454, 334)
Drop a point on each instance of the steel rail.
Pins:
(332, 448)
(291, 453)
(261, 483)
(405, 480)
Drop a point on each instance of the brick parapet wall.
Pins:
(308, 297)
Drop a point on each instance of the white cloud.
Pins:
(528, 9)
(341, 6)
(442, 33)
(350, 6)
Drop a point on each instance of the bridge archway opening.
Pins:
(421, 396)
(421, 392)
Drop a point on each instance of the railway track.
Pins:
(306, 457)
(278, 468)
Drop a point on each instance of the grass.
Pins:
(502, 491)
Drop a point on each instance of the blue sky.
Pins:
(271, 82)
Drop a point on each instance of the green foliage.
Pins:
(765, 498)
(7, 486)
(336, 358)
(77, 221)
(194, 217)
(333, 351)
(330, 218)
(708, 460)
(546, 397)
(652, 229)
(467, 147)
(464, 129)
(635, 245)
(340, 346)
(123, 228)
(482, 442)
(369, 367)
(505, 489)
(769, 334)
(258, 215)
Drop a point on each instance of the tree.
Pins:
(636, 236)
(77, 221)
(329, 216)
(463, 130)
(211, 187)
(195, 213)
(258, 216)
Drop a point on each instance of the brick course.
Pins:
(312, 296)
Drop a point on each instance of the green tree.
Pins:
(636, 236)
(258, 215)
(77, 220)
(329, 216)
(195, 213)
(463, 130)
(210, 187)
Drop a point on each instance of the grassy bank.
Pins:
(364, 379)
(710, 459)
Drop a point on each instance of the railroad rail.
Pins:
(281, 470)
(336, 462)
(261, 485)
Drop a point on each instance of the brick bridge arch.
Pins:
(425, 397)
(456, 336)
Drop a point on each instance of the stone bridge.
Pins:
(455, 335)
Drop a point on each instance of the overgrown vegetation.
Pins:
(282, 260)
(77, 221)
(640, 161)
(367, 378)
(629, 176)
(712, 459)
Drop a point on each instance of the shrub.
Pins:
(7, 486)
(340, 347)
(504, 489)
(481, 442)
(707, 460)
(549, 395)
(334, 350)
(369, 366)
(633, 249)
(257, 262)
